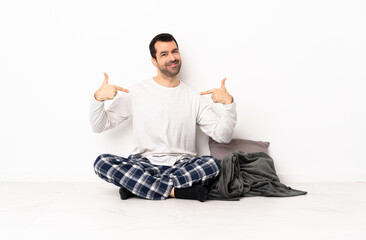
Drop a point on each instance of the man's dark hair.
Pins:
(163, 37)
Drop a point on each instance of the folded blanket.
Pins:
(248, 174)
(229, 184)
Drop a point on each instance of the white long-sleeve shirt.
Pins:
(164, 120)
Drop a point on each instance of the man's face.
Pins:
(168, 59)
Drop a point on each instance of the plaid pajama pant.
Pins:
(154, 182)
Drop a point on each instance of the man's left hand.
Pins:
(220, 95)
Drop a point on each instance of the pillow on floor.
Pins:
(220, 150)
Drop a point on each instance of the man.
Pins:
(164, 112)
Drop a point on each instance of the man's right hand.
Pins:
(107, 91)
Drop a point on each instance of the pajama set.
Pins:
(164, 127)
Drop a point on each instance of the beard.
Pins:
(168, 71)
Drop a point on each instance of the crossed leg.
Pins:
(149, 181)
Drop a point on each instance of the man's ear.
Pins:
(154, 62)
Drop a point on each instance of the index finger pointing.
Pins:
(122, 89)
(206, 92)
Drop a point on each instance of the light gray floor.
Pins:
(94, 211)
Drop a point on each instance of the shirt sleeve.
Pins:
(102, 120)
(220, 129)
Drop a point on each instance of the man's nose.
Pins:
(171, 57)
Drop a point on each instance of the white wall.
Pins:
(295, 68)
